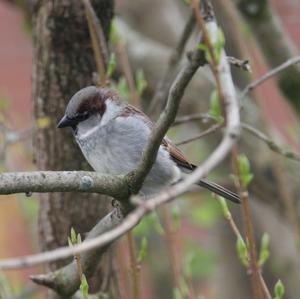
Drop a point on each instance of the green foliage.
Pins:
(114, 36)
(264, 249)
(84, 287)
(206, 213)
(199, 263)
(74, 239)
(141, 83)
(177, 294)
(147, 224)
(112, 64)
(215, 110)
(218, 45)
(123, 88)
(187, 2)
(224, 206)
(184, 287)
(279, 290)
(244, 170)
(143, 250)
(242, 252)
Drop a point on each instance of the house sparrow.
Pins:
(112, 135)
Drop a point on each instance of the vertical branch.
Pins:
(249, 232)
(135, 267)
(171, 247)
(126, 69)
(98, 41)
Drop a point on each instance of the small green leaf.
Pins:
(242, 251)
(141, 83)
(143, 250)
(215, 110)
(224, 206)
(177, 294)
(184, 287)
(84, 287)
(219, 44)
(114, 36)
(279, 290)
(204, 48)
(123, 88)
(112, 63)
(79, 239)
(244, 169)
(70, 242)
(73, 236)
(264, 249)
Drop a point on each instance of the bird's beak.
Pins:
(65, 122)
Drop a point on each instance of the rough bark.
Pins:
(63, 63)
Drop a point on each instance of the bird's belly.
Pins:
(115, 156)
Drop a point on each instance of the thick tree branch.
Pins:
(65, 281)
(63, 181)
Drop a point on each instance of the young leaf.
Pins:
(177, 294)
(143, 250)
(224, 206)
(279, 290)
(123, 88)
(84, 287)
(114, 36)
(73, 236)
(141, 83)
(111, 65)
(215, 107)
(244, 169)
(264, 249)
(242, 251)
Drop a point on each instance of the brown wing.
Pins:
(176, 155)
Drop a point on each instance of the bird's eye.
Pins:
(82, 116)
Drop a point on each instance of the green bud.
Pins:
(279, 289)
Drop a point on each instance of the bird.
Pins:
(112, 136)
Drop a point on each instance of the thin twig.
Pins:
(171, 247)
(271, 144)
(259, 134)
(249, 232)
(126, 69)
(161, 92)
(98, 41)
(134, 267)
(270, 74)
(238, 235)
(243, 64)
(204, 117)
(210, 130)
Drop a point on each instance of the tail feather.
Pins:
(215, 188)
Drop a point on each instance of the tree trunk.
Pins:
(63, 63)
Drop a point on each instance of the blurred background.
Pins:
(189, 245)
